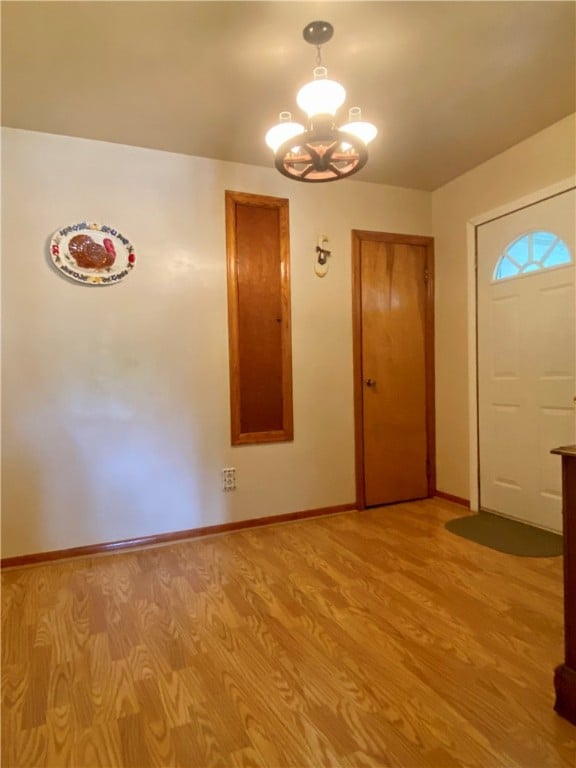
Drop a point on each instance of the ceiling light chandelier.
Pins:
(322, 151)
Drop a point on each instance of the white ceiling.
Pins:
(449, 84)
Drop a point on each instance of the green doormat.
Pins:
(508, 536)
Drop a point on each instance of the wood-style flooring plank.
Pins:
(360, 640)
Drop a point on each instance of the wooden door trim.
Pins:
(387, 237)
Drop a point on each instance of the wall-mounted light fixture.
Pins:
(321, 256)
(322, 151)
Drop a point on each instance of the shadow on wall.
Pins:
(85, 469)
(21, 500)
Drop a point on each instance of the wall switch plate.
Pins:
(229, 479)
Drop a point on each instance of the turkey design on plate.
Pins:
(92, 253)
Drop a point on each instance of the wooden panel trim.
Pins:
(387, 237)
(168, 538)
(357, 368)
(282, 205)
(390, 237)
(453, 499)
(428, 242)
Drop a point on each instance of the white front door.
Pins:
(526, 358)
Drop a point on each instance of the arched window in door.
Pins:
(532, 252)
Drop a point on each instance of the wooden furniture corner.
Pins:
(565, 674)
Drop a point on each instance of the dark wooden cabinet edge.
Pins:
(565, 686)
(565, 674)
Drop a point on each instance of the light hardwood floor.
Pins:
(362, 639)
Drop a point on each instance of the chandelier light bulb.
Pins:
(320, 96)
(282, 131)
(358, 127)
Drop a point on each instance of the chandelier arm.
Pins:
(337, 171)
(331, 160)
(306, 172)
(321, 159)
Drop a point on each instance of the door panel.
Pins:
(526, 366)
(393, 385)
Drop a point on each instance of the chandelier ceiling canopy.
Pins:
(321, 151)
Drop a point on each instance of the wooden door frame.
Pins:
(386, 237)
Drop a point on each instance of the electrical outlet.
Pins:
(229, 479)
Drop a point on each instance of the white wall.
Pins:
(116, 400)
(541, 161)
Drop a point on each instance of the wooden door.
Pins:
(393, 343)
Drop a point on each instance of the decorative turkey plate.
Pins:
(92, 253)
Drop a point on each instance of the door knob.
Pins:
(370, 383)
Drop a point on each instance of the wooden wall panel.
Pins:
(259, 318)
